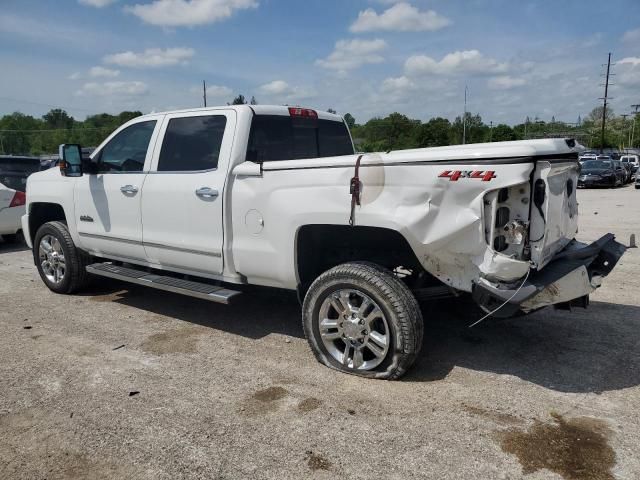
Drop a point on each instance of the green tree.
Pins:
(503, 133)
(434, 133)
(350, 121)
(476, 130)
(239, 100)
(395, 132)
(58, 118)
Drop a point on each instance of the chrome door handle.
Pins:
(129, 189)
(206, 192)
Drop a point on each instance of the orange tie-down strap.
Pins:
(354, 189)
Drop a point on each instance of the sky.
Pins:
(519, 58)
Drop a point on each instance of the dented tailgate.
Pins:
(554, 208)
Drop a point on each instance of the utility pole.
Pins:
(464, 118)
(204, 93)
(491, 131)
(604, 106)
(633, 128)
(624, 124)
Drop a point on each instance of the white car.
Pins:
(277, 197)
(634, 160)
(13, 181)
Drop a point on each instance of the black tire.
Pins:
(75, 277)
(399, 306)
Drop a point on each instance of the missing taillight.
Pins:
(502, 217)
(18, 200)
(507, 219)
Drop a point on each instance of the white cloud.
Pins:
(151, 57)
(96, 3)
(592, 40)
(279, 89)
(103, 72)
(461, 62)
(633, 61)
(397, 84)
(628, 72)
(505, 82)
(187, 13)
(350, 54)
(75, 76)
(213, 91)
(106, 89)
(400, 17)
(218, 91)
(632, 36)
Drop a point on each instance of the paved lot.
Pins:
(125, 382)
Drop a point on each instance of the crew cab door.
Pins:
(107, 202)
(182, 200)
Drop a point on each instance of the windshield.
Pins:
(596, 164)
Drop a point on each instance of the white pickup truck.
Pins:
(202, 202)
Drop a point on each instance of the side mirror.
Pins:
(248, 169)
(70, 160)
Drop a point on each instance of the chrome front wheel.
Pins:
(52, 259)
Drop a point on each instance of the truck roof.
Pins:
(257, 109)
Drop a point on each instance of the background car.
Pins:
(587, 156)
(13, 181)
(601, 173)
(629, 169)
(633, 160)
(619, 167)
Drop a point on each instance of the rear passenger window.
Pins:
(280, 137)
(192, 144)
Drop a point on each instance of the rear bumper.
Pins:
(572, 274)
(10, 220)
(25, 230)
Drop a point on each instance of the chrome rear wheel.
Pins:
(354, 329)
(361, 319)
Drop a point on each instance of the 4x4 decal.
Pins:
(454, 175)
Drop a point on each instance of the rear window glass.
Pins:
(192, 144)
(15, 181)
(596, 164)
(26, 165)
(279, 137)
(14, 171)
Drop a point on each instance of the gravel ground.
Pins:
(126, 382)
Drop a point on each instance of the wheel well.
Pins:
(321, 247)
(41, 213)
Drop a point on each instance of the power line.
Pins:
(18, 100)
(55, 130)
